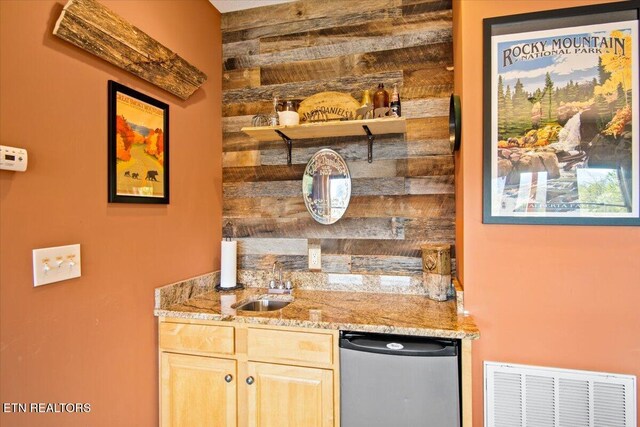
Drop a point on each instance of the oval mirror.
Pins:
(326, 186)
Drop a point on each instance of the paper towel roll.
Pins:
(228, 264)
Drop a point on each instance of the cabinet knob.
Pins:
(250, 380)
(228, 378)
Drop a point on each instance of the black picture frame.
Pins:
(504, 201)
(138, 158)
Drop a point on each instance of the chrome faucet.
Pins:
(276, 265)
(276, 285)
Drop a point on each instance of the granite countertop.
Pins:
(403, 314)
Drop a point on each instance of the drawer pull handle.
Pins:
(228, 378)
(250, 380)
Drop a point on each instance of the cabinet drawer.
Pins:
(289, 346)
(196, 338)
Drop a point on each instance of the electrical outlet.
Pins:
(315, 263)
(56, 264)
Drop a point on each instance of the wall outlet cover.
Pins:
(315, 261)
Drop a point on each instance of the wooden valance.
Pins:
(96, 29)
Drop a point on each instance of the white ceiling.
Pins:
(225, 6)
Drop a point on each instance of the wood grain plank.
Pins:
(422, 109)
(240, 159)
(404, 248)
(346, 228)
(426, 166)
(436, 33)
(424, 128)
(358, 169)
(435, 230)
(354, 33)
(376, 169)
(385, 264)
(434, 56)
(330, 142)
(235, 124)
(300, 90)
(253, 246)
(241, 79)
(247, 108)
(304, 10)
(240, 48)
(233, 190)
(410, 206)
(359, 187)
(329, 263)
(239, 141)
(273, 173)
(377, 186)
(427, 91)
(335, 263)
(430, 185)
(418, 7)
(99, 31)
(265, 207)
(297, 26)
(433, 76)
(358, 151)
(266, 261)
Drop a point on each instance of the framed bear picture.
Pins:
(138, 128)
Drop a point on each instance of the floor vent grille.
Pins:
(531, 396)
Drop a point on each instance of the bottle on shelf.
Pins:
(396, 108)
(380, 100)
(273, 117)
(367, 104)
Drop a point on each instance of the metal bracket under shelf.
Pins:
(289, 142)
(370, 138)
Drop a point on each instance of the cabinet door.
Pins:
(196, 391)
(289, 396)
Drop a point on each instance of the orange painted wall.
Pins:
(93, 339)
(562, 296)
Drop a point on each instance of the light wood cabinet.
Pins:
(221, 374)
(197, 391)
(289, 396)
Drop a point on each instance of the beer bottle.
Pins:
(396, 109)
(380, 98)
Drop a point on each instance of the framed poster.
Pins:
(561, 117)
(138, 147)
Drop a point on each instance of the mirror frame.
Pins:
(325, 160)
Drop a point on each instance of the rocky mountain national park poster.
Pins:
(564, 125)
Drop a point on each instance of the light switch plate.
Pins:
(56, 264)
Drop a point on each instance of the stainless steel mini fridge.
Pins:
(398, 381)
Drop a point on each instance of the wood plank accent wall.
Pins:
(405, 198)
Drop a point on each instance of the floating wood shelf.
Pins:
(368, 128)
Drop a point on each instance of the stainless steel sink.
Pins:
(263, 305)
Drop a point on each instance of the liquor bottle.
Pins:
(366, 101)
(380, 98)
(396, 109)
